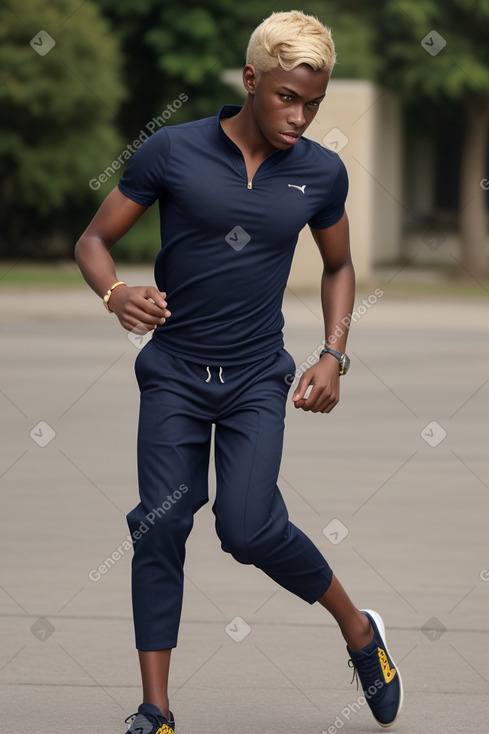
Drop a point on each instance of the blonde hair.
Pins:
(289, 39)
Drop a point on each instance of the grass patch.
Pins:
(66, 274)
(448, 288)
(42, 274)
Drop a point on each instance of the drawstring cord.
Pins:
(209, 376)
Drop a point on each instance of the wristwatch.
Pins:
(343, 359)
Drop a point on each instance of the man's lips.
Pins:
(290, 137)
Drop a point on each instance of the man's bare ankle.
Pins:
(362, 636)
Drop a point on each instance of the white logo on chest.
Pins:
(301, 188)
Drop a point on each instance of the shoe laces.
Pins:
(149, 717)
(366, 667)
(354, 677)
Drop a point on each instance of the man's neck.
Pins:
(245, 133)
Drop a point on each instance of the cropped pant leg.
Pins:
(174, 437)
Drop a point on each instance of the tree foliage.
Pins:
(435, 54)
(56, 114)
(459, 69)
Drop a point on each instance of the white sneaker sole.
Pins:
(381, 627)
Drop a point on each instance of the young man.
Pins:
(234, 192)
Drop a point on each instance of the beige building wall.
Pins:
(362, 123)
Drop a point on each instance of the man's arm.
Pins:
(132, 306)
(337, 297)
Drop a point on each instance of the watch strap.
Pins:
(342, 358)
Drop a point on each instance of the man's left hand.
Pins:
(324, 379)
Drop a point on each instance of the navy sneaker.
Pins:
(379, 676)
(150, 720)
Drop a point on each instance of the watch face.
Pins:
(344, 364)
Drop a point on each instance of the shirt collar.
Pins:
(229, 110)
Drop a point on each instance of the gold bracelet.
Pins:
(107, 296)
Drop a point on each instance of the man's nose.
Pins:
(296, 116)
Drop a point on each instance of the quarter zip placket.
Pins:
(249, 185)
(235, 109)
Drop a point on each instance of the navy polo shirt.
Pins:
(227, 244)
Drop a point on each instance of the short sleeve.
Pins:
(143, 181)
(334, 206)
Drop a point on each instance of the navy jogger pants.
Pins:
(180, 401)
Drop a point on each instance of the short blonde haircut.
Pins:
(289, 39)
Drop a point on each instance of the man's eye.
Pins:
(313, 104)
(286, 97)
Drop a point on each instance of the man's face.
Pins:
(286, 102)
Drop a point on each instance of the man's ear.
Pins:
(250, 78)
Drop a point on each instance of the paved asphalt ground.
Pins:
(393, 487)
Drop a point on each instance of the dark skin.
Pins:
(279, 107)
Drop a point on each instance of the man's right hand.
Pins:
(139, 306)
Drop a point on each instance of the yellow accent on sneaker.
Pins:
(165, 729)
(388, 672)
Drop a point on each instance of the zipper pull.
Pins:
(250, 184)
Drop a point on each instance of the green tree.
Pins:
(170, 50)
(59, 94)
(435, 53)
